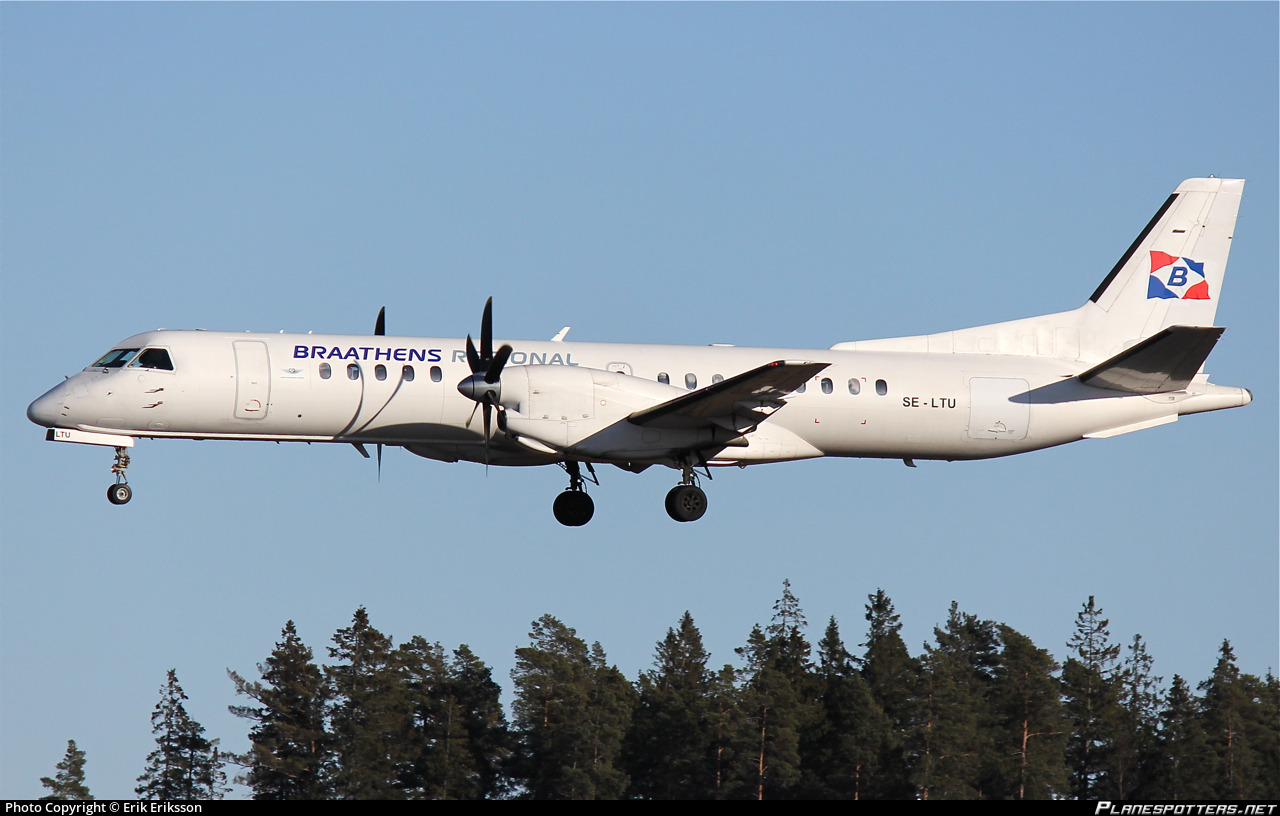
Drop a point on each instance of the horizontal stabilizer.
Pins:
(1166, 361)
(739, 402)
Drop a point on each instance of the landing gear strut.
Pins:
(686, 501)
(120, 492)
(573, 507)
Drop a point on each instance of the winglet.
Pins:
(559, 338)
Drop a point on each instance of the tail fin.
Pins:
(1171, 275)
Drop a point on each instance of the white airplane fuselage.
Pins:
(1129, 358)
(261, 386)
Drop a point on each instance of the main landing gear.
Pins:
(686, 501)
(120, 492)
(573, 507)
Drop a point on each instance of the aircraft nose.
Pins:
(45, 410)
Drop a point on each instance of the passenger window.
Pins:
(800, 389)
(406, 373)
(436, 374)
(855, 387)
(827, 387)
(325, 371)
(380, 371)
(715, 378)
(882, 387)
(353, 372)
(691, 381)
(664, 378)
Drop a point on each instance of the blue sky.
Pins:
(758, 174)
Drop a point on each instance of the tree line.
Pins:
(981, 713)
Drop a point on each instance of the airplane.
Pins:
(1130, 358)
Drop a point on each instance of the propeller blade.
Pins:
(379, 461)
(380, 328)
(473, 359)
(467, 424)
(488, 418)
(486, 332)
(495, 368)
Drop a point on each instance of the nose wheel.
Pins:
(120, 492)
(573, 507)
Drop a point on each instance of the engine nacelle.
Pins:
(583, 411)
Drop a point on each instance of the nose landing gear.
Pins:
(573, 507)
(120, 492)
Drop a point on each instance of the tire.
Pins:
(686, 503)
(573, 508)
(119, 494)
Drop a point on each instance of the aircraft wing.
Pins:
(1165, 361)
(738, 403)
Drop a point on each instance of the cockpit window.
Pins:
(116, 358)
(157, 358)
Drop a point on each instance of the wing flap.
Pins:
(739, 403)
(1165, 361)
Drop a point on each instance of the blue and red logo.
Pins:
(1177, 278)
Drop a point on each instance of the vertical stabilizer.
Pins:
(1171, 275)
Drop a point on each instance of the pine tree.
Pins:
(290, 750)
(776, 698)
(1091, 696)
(1135, 749)
(570, 711)
(184, 765)
(471, 684)
(840, 752)
(1030, 730)
(954, 737)
(892, 676)
(457, 742)
(68, 783)
(1238, 729)
(670, 751)
(1186, 765)
(369, 713)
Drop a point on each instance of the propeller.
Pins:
(484, 386)
(380, 330)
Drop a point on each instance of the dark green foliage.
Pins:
(457, 740)
(290, 748)
(68, 783)
(1240, 729)
(954, 736)
(489, 744)
(670, 752)
(842, 749)
(893, 677)
(1029, 730)
(571, 711)
(776, 696)
(184, 765)
(982, 713)
(1091, 696)
(1186, 764)
(1136, 750)
(369, 713)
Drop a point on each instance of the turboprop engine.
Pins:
(582, 412)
